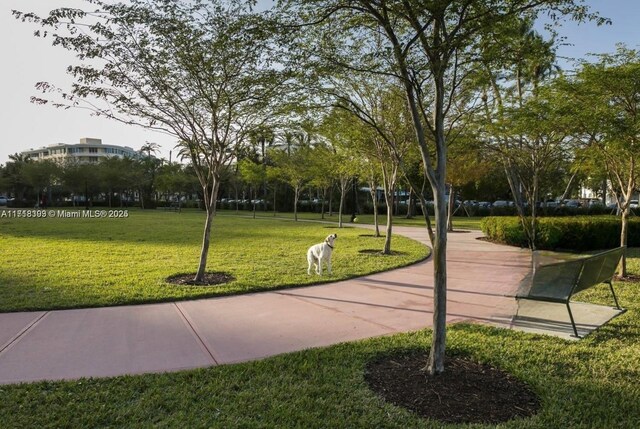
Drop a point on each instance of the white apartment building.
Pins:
(89, 150)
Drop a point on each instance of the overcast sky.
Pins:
(27, 60)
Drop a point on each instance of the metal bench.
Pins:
(558, 282)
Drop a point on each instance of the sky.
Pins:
(27, 60)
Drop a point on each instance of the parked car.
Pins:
(502, 203)
(3, 201)
(484, 204)
(633, 204)
(571, 203)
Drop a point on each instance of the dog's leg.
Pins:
(319, 270)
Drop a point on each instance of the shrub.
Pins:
(578, 233)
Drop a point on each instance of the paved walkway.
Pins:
(68, 344)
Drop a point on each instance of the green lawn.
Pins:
(65, 263)
(592, 383)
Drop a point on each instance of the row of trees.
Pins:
(119, 181)
(389, 81)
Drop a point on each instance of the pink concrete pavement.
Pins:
(71, 344)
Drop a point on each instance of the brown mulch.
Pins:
(210, 279)
(467, 392)
(627, 278)
(379, 252)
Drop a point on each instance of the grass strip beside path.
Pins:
(57, 263)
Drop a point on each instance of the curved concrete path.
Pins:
(70, 344)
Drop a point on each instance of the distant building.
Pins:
(87, 151)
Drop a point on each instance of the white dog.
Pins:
(321, 252)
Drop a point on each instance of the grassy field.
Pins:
(57, 263)
(592, 383)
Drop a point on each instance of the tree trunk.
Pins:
(423, 205)
(210, 204)
(324, 197)
(389, 184)
(86, 197)
(331, 201)
(255, 198)
(388, 197)
(436, 176)
(342, 192)
(204, 251)
(275, 187)
(534, 214)
(452, 197)
(438, 344)
(515, 186)
(622, 268)
(374, 199)
(296, 195)
(567, 190)
(410, 205)
(427, 220)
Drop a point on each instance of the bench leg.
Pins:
(614, 295)
(573, 323)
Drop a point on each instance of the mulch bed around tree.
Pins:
(627, 278)
(467, 392)
(379, 252)
(210, 279)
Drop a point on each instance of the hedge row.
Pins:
(578, 233)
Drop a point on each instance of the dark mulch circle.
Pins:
(628, 278)
(467, 392)
(379, 252)
(370, 235)
(210, 279)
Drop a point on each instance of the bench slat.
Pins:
(554, 282)
(598, 269)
